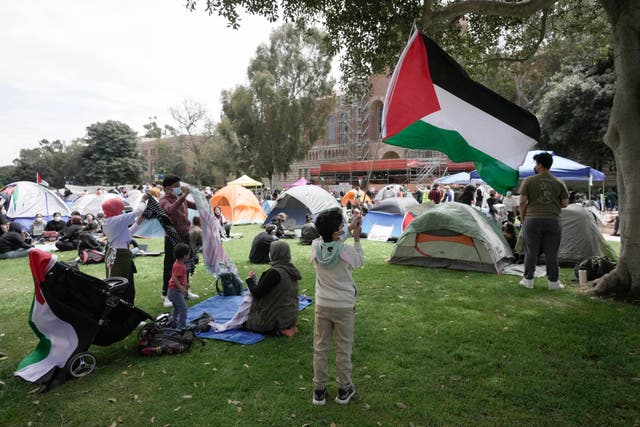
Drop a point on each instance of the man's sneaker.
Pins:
(320, 396)
(166, 302)
(191, 295)
(345, 394)
(554, 286)
(527, 283)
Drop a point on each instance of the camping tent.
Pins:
(245, 181)
(388, 213)
(299, 201)
(301, 181)
(92, 203)
(28, 198)
(561, 168)
(453, 235)
(380, 195)
(456, 178)
(350, 196)
(580, 239)
(238, 205)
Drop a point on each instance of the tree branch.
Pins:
(520, 9)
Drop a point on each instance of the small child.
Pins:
(179, 285)
(335, 302)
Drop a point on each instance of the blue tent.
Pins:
(562, 168)
(388, 213)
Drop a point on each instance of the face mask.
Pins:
(177, 191)
(56, 218)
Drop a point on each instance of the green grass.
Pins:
(433, 347)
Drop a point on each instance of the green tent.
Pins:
(453, 235)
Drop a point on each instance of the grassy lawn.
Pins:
(433, 347)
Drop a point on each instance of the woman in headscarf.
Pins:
(119, 259)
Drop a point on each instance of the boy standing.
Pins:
(335, 299)
(178, 288)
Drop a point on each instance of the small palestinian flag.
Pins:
(432, 104)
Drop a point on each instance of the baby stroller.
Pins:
(70, 311)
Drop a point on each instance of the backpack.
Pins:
(201, 324)
(154, 341)
(596, 266)
(227, 284)
(91, 256)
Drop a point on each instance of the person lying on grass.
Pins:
(271, 305)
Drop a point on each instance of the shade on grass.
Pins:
(433, 347)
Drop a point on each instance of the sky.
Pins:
(65, 65)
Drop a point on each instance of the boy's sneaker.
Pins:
(320, 396)
(166, 302)
(527, 283)
(191, 295)
(554, 286)
(345, 394)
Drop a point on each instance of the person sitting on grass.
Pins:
(12, 244)
(271, 305)
(178, 289)
(335, 298)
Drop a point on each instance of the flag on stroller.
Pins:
(432, 104)
(58, 338)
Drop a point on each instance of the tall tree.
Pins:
(111, 155)
(285, 106)
(152, 128)
(51, 159)
(168, 160)
(372, 37)
(188, 115)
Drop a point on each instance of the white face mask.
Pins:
(177, 191)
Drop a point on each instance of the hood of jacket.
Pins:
(280, 256)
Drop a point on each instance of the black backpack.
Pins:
(201, 324)
(596, 266)
(228, 284)
(154, 341)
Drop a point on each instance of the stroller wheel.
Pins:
(81, 365)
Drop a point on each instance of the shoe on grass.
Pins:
(320, 396)
(345, 394)
(527, 283)
(554, 286)
(166, 302)
(191, 295)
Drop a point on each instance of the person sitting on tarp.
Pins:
(308, 233)
(56, 224)
(271, 305)
(259, 253)
(70, 234)
(12, 244)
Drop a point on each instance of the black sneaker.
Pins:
(345, 394)
(320, 396)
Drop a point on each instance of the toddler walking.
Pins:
(179, 285)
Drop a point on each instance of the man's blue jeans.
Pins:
(541, 235)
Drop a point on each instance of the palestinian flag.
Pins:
(432, 104)
(58, 339)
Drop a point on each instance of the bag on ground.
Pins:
(153, 341)
(596, 266)
(228, 284)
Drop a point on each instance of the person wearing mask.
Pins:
(542, 197)
(175, 204)
(56, 224)
(37, 227)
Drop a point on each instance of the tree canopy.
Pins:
(283, 109)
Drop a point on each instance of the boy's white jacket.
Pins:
(334, 281)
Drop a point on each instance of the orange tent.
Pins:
(351, 196)
(238, 205)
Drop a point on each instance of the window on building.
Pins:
(343, 129)
(331, 130)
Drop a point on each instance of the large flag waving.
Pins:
(432, 104)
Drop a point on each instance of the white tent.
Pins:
(28, 198)
(92, 203)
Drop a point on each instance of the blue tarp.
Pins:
(562, 168)
(222, 309)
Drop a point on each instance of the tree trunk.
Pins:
(623, 137)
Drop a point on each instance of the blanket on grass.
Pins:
(222, 309)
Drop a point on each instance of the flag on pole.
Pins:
(41, 181)
(432, 104)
